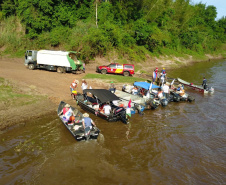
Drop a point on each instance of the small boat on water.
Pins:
(76, 129)
(146, 95)
(92, 100)
(196, 87)
(146, 103)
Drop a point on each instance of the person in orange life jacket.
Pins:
(87, 121)
(68, 114)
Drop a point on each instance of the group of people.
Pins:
(74, 86)
(159, 77)
(69, 117)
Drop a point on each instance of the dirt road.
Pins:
(56, 86)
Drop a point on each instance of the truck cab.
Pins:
(31, 59)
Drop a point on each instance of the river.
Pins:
(183, 143)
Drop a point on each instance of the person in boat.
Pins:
(68, 114)
(107, 108)
(165, 89)
(160, 94)
(84, 84)
(87, 121)
(180, 90)
(135, 91)
(204, 83)
(112, 87)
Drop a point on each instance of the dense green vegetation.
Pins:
(131, 29)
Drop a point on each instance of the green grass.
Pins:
(9, 95)
(114, 78)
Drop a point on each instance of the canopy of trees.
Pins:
(133, 28)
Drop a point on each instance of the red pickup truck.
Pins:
(115, 68)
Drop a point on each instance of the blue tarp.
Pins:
(145, 85)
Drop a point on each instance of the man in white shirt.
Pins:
(107, 109)
(165, 89)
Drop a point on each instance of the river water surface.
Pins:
(183, 143)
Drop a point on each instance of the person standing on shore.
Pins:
(84, 84)
(154, 75)
(74, 85)
(112, 87)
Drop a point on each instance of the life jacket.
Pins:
(182, 92)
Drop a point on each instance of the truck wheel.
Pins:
(31, 66)
(126, 73)
(104, 71)
(60, 69)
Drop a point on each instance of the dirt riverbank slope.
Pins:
(53, 85)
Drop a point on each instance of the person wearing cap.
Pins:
(87, 121)
(163, 71)
(112, 87)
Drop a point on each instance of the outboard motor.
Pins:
(124, 117)
(154, 104)
(138, 108)
(164, 102)
(175, 97)
(190, 99)
(211, 90)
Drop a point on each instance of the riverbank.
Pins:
(37, 93)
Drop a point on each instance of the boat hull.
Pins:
(195, 87)
(119, 113)
(76, 129)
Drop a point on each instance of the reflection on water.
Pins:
(183, 143)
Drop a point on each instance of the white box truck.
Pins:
(60, 61)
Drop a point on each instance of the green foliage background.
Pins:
(133, 29)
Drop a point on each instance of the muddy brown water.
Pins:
(183, 143)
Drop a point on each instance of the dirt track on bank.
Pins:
(56, 86)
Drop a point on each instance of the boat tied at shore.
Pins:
(93, 100)
(196, 87)
(76, 128)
